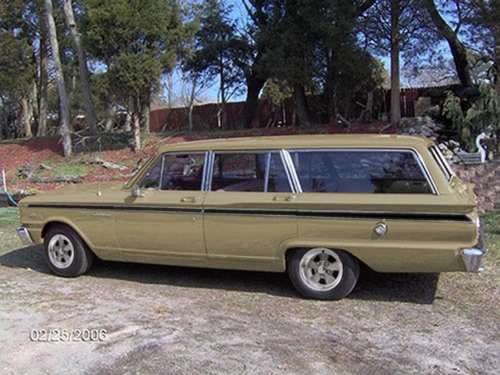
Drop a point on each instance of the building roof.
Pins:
(301, 141)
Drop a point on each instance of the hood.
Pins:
(76, 193)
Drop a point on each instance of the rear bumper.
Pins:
(472, 259)
(25, 236)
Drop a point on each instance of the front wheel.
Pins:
(323, 273)
(66, 253)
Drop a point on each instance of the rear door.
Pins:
(250, 208)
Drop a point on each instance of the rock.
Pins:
(106, 164)
(420, 126)
(57, 179)
(44, 167)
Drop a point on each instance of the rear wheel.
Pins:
(66, 253)
(323, 273)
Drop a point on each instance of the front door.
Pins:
(250, 209)
(166, 221)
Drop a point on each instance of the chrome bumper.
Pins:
(472, 259)
(25, 236)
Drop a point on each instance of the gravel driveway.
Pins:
(180, 320)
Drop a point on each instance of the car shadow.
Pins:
(372, 286)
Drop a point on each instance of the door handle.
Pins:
(286, 198)
(189, 199)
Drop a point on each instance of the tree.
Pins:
(457, 48)
(339, 54)
(193, 86)
(65, 126)
(19, 96)
(82, 63)
(395, 28)
(395, 70)
(137, 41)
(16, 75)
(482, 32)
(43, 75)
(262, 34)
(218, 48)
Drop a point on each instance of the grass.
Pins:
(491, 222)
(8, 216)
(9, 220)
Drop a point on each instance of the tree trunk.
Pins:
(82, 64)
(145, 113)
(496, 65)
(145, 119)
(137, 131)
(395, 79)
(61, 85)
(26, 118)
(128, 122)
(43, 77)
(190, 115)
(299, 94)
(254, 87)
(110, 118)
(457, 48)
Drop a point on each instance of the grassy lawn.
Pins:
(9, 220)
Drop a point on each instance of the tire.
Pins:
(322, 273)
(66, 253)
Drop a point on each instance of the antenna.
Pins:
(99, 193)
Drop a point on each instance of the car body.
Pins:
(387, 201)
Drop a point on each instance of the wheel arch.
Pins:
(64, 222)
(287, 249)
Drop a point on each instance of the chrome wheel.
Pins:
(321, 269)
(61, 251)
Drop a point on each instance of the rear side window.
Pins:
(360, 171)
(249, 171)
(441, 161)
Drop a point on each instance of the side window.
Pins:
(395, 172)
(182, 171)
(151, 179)
(175, 172)
(249, 171)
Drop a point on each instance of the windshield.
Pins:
(145, 165)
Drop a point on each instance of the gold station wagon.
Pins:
(314, 206)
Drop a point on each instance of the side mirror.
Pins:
(136, 191)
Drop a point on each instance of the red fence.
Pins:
(269, 115)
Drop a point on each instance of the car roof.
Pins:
(301, 141)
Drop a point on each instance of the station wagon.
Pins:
(317, 207)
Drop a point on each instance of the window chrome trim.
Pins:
(415, 153)
(207, 182)
(268, 172)
(288, 173)
(441, 160)
(291, 172)
(162, 169)
(270, 151)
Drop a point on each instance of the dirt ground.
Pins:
(184, 320)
